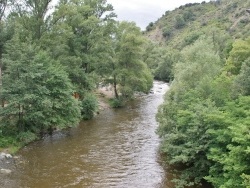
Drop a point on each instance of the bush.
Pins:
(179, 22)
(7, 141)
(191, 38)
(150, 26)
(26, 137)
(188, 15)
(89, 106)
(167, 32)
(116, 103)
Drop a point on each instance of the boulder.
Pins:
(5, 155)
(2, 157)
(8, 156)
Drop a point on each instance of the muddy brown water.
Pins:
(118, 148)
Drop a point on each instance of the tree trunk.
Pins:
(2, 100)
(115, 87)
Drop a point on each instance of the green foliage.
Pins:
(124, 68)
(179, 22)
(184, 116)
(190, 39)
(239, 53)
(89, 106)
(116, 103)
(150, 26)
(231, 154)
(167, 31)
(164, 70)
(49, 56)
(204, 121)
(202, 18)
(26, 137)
(33, 16)
(242, 81)
(188, 15)
(37, 90)
(6, 141)
(152, 55)
(80, 33)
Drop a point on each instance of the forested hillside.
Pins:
(204, 51)
(52, 60)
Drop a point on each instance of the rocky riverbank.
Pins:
(5, 160)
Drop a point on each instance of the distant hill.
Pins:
(184, 25)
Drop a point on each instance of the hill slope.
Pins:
(184, 25)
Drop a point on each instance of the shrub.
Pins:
(89, 106)
(167, 32)
(26, 137)
(7, 141)
(116, 103)
(179, 22)
(150, 26)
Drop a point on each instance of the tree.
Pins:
(167, 31)
(129, 73)
(239, 53)
(179, 22)
(242, 81)
(6, 33)
(3, 4)
(33, 16)
(37, 90)
(83, 18)
(230, 146)
(165, 68)
(80, 30)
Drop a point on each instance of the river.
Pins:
(118, 148)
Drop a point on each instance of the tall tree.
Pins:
(37, 89)
(84, 19)
(79, 29)
(33, 15)
(242, 81)
(239, 53)
(125, 64)
(5, 33)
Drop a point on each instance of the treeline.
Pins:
(52, 60)
(205, 119)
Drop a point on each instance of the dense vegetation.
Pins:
(205, 119)
(52, 59)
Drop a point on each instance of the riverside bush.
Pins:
(89, 106)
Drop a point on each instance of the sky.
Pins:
(142, 12)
